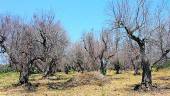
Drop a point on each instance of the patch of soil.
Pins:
(57, 78)
(118, 78)
(29, 87)
(89, 78)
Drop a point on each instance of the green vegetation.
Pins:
(5, 68)
(7, 79)
(167, 64)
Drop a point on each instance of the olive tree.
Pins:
(51, 40)
(133, 20)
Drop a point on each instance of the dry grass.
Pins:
(88, 78)
(120, 85)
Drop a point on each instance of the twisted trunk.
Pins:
(50, 70)
(24, 75)
(146, 83)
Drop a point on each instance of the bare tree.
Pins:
(90, 45)
(52, 41)
(106, 52)
(78, 57)
(117, 63)
(160, 39)
(100, 51)
(133, 20)
(18, 45)
(26, 44)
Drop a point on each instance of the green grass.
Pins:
(7, 79)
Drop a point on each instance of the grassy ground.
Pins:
(120, 85)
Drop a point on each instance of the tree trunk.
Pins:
(136, 70)
(117, 67)
(66, 69)
(24, 75)
(102, 71)
(135, 67)
(81, 68)
(146, 75)
(146, 83)
(50, 69)
(103, 67)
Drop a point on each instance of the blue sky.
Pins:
(76, 16)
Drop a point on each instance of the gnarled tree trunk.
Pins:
(24, 75)
(146, 75)
(146, 83)
(50, 69)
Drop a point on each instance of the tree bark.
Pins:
(102, 67)
(24, 75)
(50, 69)
(81, 68)
(146, 74)
(117, 68)
(136, 70)
(135, 67)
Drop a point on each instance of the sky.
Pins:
(76, 16)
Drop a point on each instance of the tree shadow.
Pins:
(167, 78)
(166, 86)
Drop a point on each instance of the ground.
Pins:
(119, 85)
